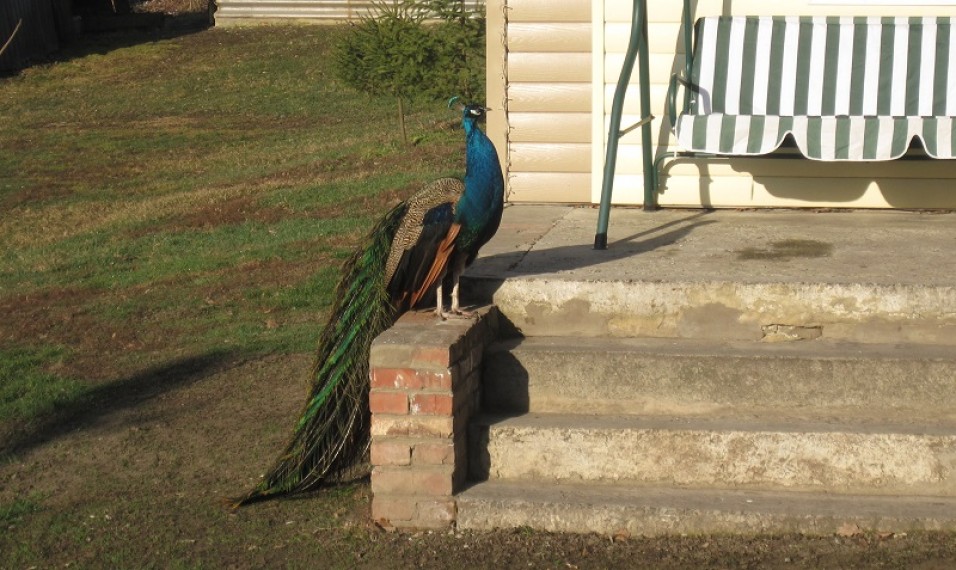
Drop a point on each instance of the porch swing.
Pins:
(842, 88)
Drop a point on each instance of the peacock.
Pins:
(408, 256)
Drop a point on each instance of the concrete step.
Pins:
(693, 377)
(726, 310)
(775, 453)
(866, 276)
(653, 511)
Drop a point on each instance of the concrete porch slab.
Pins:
(867, 276)
(756, 246)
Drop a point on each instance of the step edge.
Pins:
(662, 510)
(771, 421)
(819, 349)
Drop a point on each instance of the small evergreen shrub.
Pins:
(460, 62)
(414, 49)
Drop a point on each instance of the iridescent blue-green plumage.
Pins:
(433, 235)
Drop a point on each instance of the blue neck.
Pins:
(484, 183)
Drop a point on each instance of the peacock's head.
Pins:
(470, 112)
(474, 111)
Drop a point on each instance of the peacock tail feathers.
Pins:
(333, 430)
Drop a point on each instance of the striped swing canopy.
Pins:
(845, 88)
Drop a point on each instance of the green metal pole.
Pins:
(650, 191)
(637, 42)
(688, 48)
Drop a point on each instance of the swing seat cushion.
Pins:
(843, 88)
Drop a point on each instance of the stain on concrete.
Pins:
(714, 320)
(786, 333)
(785, 250)
(574, 316)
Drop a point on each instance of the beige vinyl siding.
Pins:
(543, 186)
(549, 67)
(542, 127)
(747, 182)
(545, 11)
(558, 97)
(550, 37)
(549, 71)
(550, 157)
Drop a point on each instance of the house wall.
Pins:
(232, 12)
(563, 58)
(545, 87)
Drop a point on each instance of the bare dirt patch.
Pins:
(100, 348)
(48, 315)
(234, 210)
(33, 195)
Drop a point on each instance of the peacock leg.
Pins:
(439, 306)
(455, 307)
(456, 281)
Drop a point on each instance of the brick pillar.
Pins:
(426, 376)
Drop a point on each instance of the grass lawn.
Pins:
(173, 213)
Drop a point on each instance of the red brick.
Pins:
(410, 481)
(387, 378)
(411, 512)
(410, 379)
(431, 404)
(434, 380)
(437, 356)
(391, 453)
(388, 402)
(439, 453)
(393, 509)
(467, 386)
(384, 425)
(436, 514)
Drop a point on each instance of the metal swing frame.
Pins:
(637, 49)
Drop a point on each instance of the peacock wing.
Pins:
(428, 218)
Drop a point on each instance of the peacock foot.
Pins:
(462, 314)
(455, 314)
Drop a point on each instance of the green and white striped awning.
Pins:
(845, 88)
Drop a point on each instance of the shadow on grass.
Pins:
(103, 401)
(106, 37)
(157, 27)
